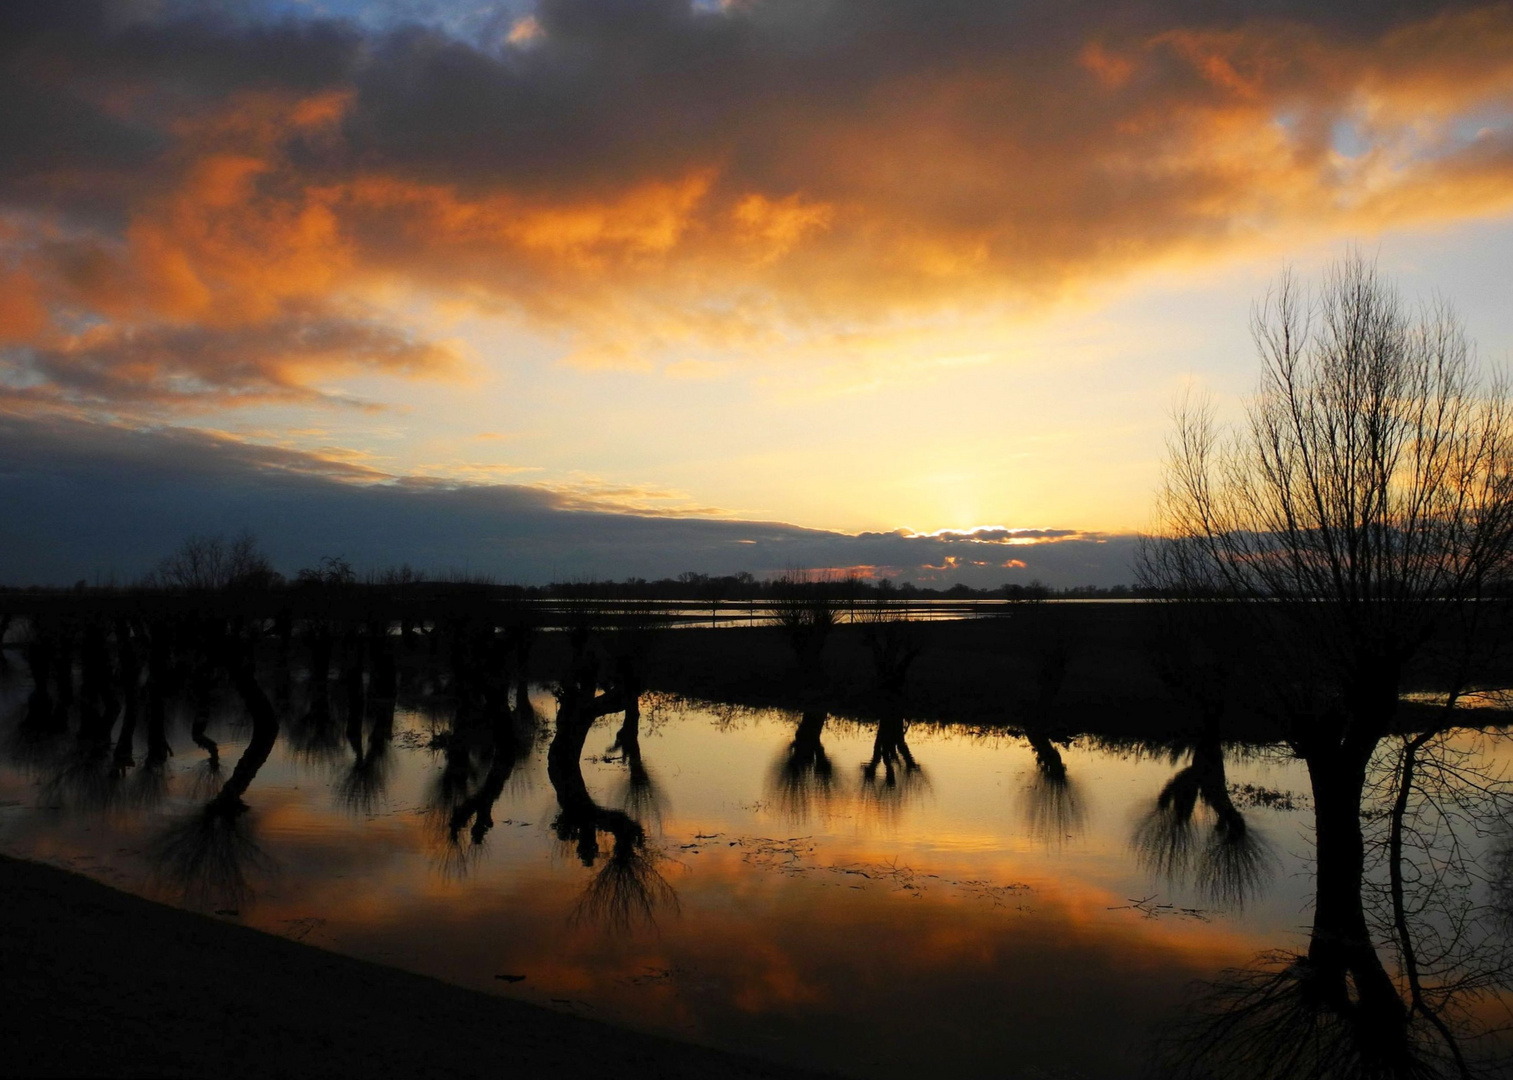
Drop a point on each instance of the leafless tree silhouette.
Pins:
(1360, 518)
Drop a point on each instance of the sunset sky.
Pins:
(590, 287)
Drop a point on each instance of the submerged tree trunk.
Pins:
(582, 817)
(563, 756)
(39, 658)
(130, 676)
(259, 747)
(1340, 950)
(889, 748)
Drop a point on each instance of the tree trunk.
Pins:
(1340, 948)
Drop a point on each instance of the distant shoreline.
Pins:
(102, 983)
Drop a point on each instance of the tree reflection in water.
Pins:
(903, 779)
(1052, 802)
(1400, 970)
(803, 779)
(481, 747)
(208, 854)
(629, 648)
(1053, 808)
(1336, 1010)
(473, 811)
(1229, 866)
(91, 771)
(363, 783)
(315, 734)
(209, 857)
(627, 888)
(642, 797)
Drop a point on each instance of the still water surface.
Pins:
(993, 908)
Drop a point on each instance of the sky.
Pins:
(574, 288)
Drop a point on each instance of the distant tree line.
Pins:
(214, 562)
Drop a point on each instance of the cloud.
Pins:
(660, 172)
(999, 535)
(694, 368)
(274, 359)
(85, 499)
(64, 449)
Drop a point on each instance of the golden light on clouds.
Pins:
(806, 203)
(930, 185)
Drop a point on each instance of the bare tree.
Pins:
(1368, 496)
(332, 570)
(213, 562)
(804, 609)
(1357, 519)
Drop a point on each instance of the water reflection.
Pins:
(642, 796)
(96, 769)
(1398, 974)
(1054, 810)
(803, 779)
(1230, 862)
(902, 778)
(315, 733)
(481, 748)
(627, 887)
(365, 780)
(209, 854)
(1053, 807)
(1337, 1009)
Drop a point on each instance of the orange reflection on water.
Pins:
(853, 939)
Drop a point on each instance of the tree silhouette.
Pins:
(627, 887)
(1336, 1010)
(1358, 521)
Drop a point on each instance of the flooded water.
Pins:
(882, 899)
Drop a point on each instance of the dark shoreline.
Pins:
(986, 674)
(98, 982)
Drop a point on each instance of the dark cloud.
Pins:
(91, 91)
(178, 365)
(631, 163)
(86, 499)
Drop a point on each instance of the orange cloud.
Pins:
(731, 178)
(774, 227)
(23, 315)
(278, 359)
